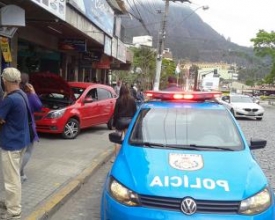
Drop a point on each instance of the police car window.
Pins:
(182, 126)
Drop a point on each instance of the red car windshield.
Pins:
(77, 92)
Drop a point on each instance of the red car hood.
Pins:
(45, 83)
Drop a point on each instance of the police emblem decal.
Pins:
(186, 161)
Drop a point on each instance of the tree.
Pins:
(264, 45)
(168, 69)
(145, 61)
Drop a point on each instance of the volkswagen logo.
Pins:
(188, 206)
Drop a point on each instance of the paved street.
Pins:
(85, 204)
(55, 162)
(263, 129)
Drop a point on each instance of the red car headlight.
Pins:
(56, 113)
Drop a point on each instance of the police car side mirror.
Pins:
(257, 143)
(115, 137)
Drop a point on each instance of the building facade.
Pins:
(78, 40)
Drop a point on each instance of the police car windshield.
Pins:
(186, 128)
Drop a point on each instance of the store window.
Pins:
(33, 58)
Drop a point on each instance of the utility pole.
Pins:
(162, 36)
(160, 47)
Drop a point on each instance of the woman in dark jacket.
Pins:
(125, 108)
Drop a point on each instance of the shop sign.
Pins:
(5, 48)
(56, 7)
(73, 44)
(97, 11)
(104, 63)
(91, 55)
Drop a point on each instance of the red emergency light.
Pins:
(182, 95)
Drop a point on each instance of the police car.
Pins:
(185, 157)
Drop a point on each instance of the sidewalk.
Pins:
(266, 103)
(58, 168)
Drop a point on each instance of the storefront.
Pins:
(38, 45)
(33, 58)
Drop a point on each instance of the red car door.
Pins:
(107, 104)
(91, 109)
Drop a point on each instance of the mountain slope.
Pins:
(187, 36)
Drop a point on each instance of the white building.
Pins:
(143, 40)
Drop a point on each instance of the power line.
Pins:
(161, 44)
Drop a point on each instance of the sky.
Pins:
(239, 20)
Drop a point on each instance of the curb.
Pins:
(51, 204)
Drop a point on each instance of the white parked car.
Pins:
(242, 106)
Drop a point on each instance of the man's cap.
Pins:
(11, 74)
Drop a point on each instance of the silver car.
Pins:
(242, 106)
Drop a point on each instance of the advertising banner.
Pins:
(5, 48)
(97, 11)
(56, 7)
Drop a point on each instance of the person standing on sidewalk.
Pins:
(125, 108)
(117, 87)
(14, 138)
(172, 84)
(35, 106)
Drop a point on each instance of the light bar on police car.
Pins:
(183, 95)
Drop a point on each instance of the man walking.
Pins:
(14, 137)
(172, 84)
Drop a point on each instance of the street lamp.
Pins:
(161, 43)
(203, 7)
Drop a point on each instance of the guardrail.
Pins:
(269, 100)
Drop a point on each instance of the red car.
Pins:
(69, 107)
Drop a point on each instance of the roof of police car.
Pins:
(186, 99)
(177, 104)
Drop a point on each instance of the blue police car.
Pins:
(185, 157)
